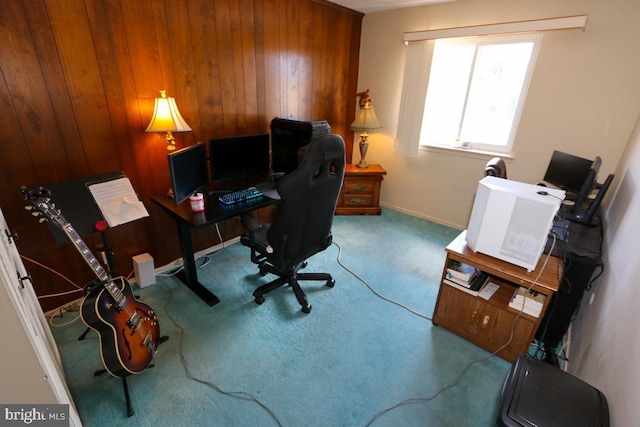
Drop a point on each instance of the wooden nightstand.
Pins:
(360, 194)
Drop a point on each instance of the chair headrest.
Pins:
(496, 167)
(325, 147)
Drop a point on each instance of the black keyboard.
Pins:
(240, 196)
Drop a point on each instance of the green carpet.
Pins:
(355, 360)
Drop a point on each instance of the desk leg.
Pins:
(189, 275)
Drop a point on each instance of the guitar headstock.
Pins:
(41, 200)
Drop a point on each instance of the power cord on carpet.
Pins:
(433, 396)
(237, 394)
(413, 399)
(376, 293)
(60, 313)
(469, 365)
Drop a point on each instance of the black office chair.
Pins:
(302, 226)
(496, 167)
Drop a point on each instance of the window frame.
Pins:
(533, 37)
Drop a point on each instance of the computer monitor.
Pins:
(239, 161)
(578, 176)
(568, 172)
(188, 171)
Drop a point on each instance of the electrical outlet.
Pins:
(73, 305)
(70, 306)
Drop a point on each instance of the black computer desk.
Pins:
(579, 248)
(214, 212)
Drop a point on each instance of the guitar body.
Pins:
(129, 336)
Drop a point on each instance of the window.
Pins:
(476, 90)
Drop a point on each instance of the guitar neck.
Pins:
(91, 260)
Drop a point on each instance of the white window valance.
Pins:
(547, 24)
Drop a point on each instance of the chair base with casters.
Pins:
(290, 278)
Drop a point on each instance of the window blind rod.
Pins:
(549, 24)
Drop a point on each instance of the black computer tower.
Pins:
(288, 137)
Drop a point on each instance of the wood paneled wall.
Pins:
(77, 84)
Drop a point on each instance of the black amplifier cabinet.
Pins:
(580, 249)
(288, 136)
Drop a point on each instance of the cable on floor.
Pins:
(185, 364)
(469, 365)
(376, 293)
(62, 310)
(433, 396)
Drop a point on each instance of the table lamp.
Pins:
(365, 121)
(167, 118)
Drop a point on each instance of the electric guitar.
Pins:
(128, 329)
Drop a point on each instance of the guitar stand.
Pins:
(125, 386)
(130, 411)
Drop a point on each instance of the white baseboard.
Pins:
(419, 215)
(178, 262)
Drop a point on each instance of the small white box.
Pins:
(144, 270)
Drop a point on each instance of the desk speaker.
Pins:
(144, 270)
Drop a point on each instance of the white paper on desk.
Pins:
(118, 201)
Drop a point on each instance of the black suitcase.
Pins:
(536, 393)
(288, 136)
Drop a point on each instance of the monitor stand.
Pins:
(586, 213)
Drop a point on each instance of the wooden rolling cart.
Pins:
(488, 323)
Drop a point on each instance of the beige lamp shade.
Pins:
(366, 120)
(167, 118)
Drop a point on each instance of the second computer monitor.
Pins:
(239, 160)
(567, 171)
(188, 171)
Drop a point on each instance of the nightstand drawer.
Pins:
(357, 200)
(360, 193)
(358, 187)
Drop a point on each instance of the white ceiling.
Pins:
(368, 6)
